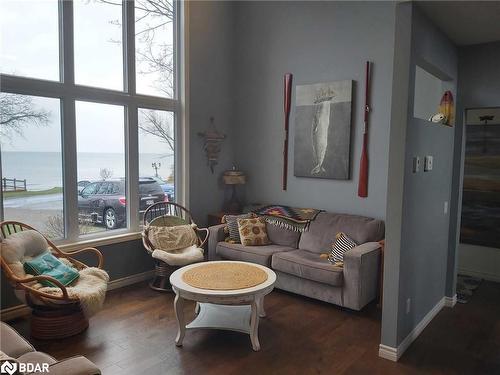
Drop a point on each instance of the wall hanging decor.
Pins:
(212, 145)
(481, 188)
(363, 164)
(323, 130)
(287, 106)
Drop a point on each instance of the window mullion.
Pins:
(69, 123)
(132, 167)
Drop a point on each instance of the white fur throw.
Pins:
(181, 257)
(172, 238)
(90, 288)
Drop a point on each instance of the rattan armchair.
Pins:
(53, 316)
(167, 214)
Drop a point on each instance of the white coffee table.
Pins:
(234, 310)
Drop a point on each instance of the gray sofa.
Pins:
(295, 257)
(14, 346)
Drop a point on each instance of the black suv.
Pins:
(104, 202)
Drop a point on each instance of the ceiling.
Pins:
(465, 22)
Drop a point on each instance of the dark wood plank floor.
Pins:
(134, 334)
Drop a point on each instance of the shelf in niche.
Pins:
(430, 85)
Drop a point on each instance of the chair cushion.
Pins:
(254, 254)
(172, 238)
(323, 230)
(282, 236)
(308, 265)
(12, 343)
(28, 243)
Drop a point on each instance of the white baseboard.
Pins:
(393, 354)
(482, 275)
(14, 312)
(129, 280)
(450, 301)
(23, 310)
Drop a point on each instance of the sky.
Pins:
(29, 47)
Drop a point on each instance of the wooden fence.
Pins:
(13, 184)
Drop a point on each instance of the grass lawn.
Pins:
(32, 193)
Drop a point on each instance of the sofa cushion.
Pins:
(322, 231)
(36, 357)
(282, 236)
(254, 254)
(12, 343)
(308, 265)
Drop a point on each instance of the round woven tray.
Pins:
(224, 276)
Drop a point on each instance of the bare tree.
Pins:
(18, 111)
(105, 173)
(54, 227)
(153, 58)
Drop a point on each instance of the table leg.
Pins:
(197, 308)
(260, 304)
(254, 327)
(179, 315)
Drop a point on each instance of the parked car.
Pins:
(82, 184)
(168, 189)
(104, 202)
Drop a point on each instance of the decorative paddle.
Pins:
(363, 165)
(287, 102)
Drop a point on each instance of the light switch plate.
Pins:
(428, 161)
(416, 164)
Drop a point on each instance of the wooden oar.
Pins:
(363, 165)
(287, 102)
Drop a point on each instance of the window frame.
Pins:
(69, 92)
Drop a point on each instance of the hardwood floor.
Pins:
(135, 332)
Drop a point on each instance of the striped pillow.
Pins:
(232, 225)
(342, 244)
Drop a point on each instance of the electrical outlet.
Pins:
(416, 164)
(445, 207)
(428, 161)
(408, 305)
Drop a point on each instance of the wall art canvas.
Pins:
(323, 130)
(481, 190)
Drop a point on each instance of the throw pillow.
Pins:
(342, 244)
(48, 265)
(253, 231)
(232, 225)
(172, 238)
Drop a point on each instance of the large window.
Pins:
(88, 113)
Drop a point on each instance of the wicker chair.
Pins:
(53, 316)
(167, 214)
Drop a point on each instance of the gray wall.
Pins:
(479, 86)
(211, 67)
(424, 227)
(120, 260)
(317, 42)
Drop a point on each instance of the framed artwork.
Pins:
(481, 190)
(323, 130)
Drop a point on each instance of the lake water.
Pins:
(43, 170)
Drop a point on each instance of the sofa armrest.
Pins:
(78, 365)
(361, 275)
(216, 235)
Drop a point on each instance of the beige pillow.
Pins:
(253, 232)
(172, 238)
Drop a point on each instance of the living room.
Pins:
(147, 103)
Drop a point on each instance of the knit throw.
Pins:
(291, 218)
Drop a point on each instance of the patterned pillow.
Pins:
(253, 231)
(232, 225)
(342, 244)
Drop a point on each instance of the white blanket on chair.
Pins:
(188, 255)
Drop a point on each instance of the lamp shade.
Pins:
(234, 177)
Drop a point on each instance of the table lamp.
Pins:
(233, 178)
